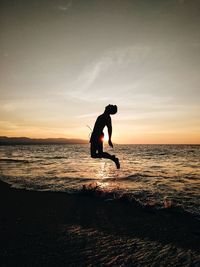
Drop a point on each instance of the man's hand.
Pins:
(110, 143)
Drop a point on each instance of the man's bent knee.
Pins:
(95, 155)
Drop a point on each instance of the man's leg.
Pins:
(94, 147)
(93, 150)
(111, 157)
(106, 155)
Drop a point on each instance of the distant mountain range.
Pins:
(39, 141)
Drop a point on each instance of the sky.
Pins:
(63, 61)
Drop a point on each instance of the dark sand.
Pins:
(58, 229)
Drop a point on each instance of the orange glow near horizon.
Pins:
(119, 139)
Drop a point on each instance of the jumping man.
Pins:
(97, 136)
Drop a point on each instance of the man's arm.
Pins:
(109, 125)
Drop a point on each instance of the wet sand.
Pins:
(58, 229)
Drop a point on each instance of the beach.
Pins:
(61, 229)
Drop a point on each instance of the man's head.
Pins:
(111, 109)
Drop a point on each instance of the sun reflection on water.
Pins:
(102, 170)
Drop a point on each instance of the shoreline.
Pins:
(56, 228)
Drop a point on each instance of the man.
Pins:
(97, 136)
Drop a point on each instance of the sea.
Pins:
(157, 175)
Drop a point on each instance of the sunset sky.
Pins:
(62, 62)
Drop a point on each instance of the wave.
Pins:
(112, 189)
(37, 159)
(133, 177)
(134, 199)
(15, 160)
(43, 183)
(95, 189)
(55, 157)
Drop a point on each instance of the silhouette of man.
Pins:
(96, 140)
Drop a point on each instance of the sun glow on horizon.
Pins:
(106, 137)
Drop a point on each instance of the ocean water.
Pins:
(158, 175)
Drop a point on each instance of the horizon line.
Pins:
(85, 141)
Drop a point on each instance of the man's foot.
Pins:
(117, 163)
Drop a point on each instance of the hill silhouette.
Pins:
(4, 140)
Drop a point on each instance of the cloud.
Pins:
(139, 74)
(80, 88)
(94, 76)
(7, 107)
(8, 125)
(88, 115)
(65, 7)
(114, 76)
